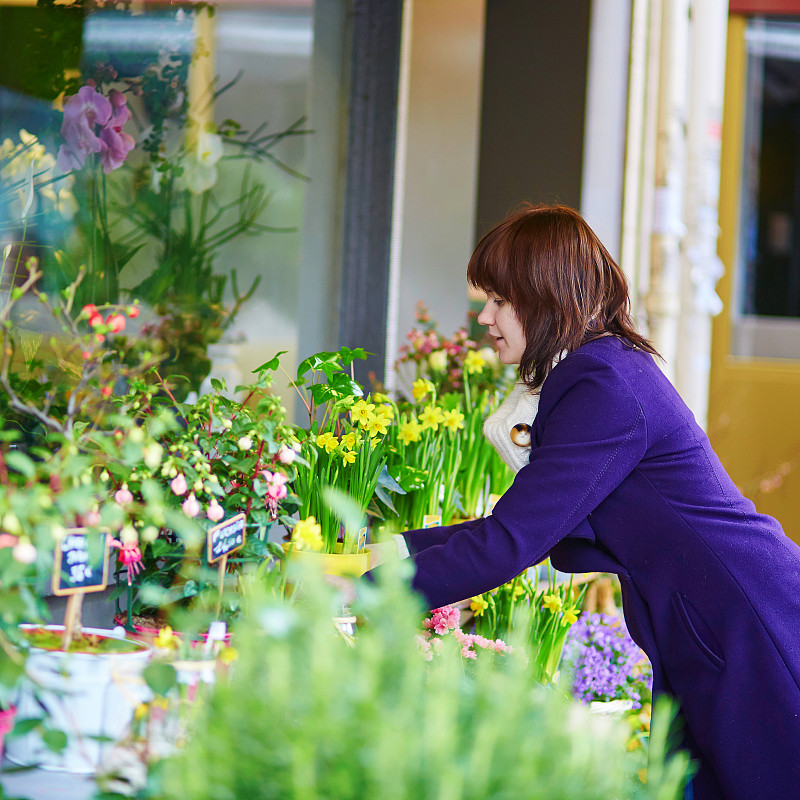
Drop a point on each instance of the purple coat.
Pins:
(622, 479)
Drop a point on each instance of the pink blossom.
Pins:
(190, 506)
(116, 323)
(123, 495)
(178, 485)
(215, 511)
(276, 490)
(117, 143)
(443, 620)
(130, 556)
(82, 111)
(286, 455)
(92, 518)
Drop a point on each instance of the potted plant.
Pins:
(342, 449)
(480, 733)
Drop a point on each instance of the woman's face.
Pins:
(506, 329)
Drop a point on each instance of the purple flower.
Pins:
(82, 112)
(117, 143)
(606, 663)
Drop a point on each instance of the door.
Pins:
(754, 403)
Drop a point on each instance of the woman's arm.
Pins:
(592, 435)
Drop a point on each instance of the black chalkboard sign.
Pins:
(79, 566)
(226, 538)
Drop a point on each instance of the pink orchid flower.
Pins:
(117, 143)
(82, 111)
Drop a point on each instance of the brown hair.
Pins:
(562, 283)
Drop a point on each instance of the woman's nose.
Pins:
(485, 317)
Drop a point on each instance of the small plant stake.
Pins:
(77, 570)
(224, 539)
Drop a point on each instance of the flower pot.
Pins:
(89, 696)
(7, 716)
(348, 565)
(147, 633)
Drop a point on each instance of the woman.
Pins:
(622, 479)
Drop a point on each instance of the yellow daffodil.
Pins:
(420, 388)
(570, 615)
(328, 441)
(474, 362)
(384, 412)
(409, 432)
(140, 712)
(362, 412)
(349, 440)
(228, 655)
(307, 534)
(454, 420)
(552, 602)
(349, 457)
(431, 417)
(437, 360)
(478, 605)
(166, 639)
(376, 427)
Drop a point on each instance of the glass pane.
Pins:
(766, 319)
(170, 153)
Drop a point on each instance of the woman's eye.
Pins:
(498, 301)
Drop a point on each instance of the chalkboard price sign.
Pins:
(80, 566)
(226, 538)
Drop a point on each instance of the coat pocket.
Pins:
(699, 631)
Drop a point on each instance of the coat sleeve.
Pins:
(590, 433)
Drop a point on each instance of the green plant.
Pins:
(325, 717)
(343, 446)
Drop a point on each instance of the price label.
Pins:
(431, 520)
(226, 538)
(80, 565)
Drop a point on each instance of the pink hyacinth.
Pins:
(178, 485)
(82, 111)
(443, 620)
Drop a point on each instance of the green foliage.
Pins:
(308, 715)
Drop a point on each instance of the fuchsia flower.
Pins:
(286, 455)
(276, 490)
(123, 495)
(215, 512)
(178, 485)
(191, 506)
(130, 556)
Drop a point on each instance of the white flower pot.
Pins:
(85, 695)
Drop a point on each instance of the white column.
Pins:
(701, 267)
